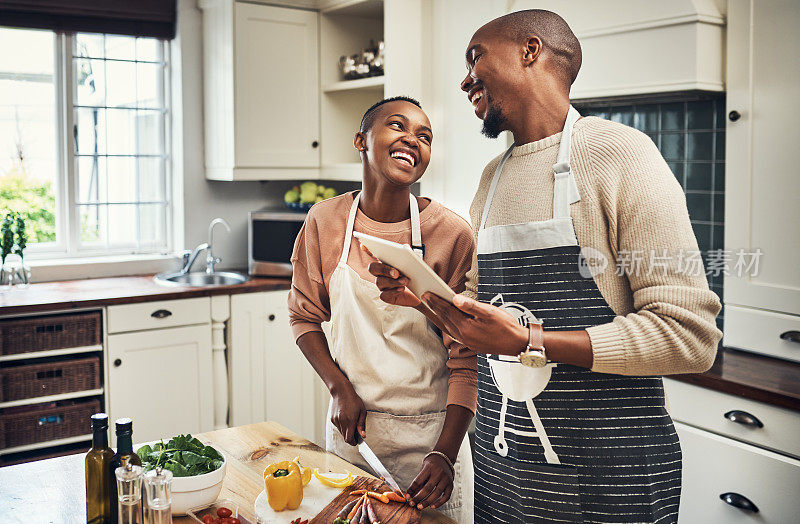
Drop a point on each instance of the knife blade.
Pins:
(376, 465)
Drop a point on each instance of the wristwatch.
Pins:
(533, 356)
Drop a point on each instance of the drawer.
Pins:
(715, 465)
(706, 409)
(760, 332)
(161, 314)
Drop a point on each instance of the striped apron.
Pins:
(563, 443)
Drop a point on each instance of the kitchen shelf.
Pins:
(47, 444)
(51, 353)
(52, 398)
(370, 82)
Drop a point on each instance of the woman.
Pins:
(386, 366)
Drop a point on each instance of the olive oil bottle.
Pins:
(98, 479)
(123, 456)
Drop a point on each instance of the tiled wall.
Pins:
(691, 136)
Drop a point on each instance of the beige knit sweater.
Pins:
(631, 206)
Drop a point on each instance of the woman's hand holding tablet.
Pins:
(400, 256)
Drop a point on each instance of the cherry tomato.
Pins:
(223, 513)
(208, 519)
(234, 520)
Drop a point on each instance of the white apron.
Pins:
(397, 365)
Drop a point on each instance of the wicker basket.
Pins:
(28, 334)
(44, 422)
(52, 378)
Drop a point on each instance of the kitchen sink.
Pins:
(201, 279)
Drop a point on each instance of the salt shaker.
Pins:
(158, 487)
(129, 494)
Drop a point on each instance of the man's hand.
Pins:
(392, 285)
(433, 484)
(349, 415)
(481, 327)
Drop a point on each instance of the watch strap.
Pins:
(535, 336)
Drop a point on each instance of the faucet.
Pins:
(191, 258)
(211, 260)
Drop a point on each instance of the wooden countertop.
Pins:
(53, 490)
(752, 376)
(97, 292)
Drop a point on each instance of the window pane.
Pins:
(90, 127)
(122, 179)
(28, 168)
(148, 50)
(152, 226)
(149, 88)
(93, 221)
(90, 78)
(121, 47)
(121, 84)
(151, 179)
(90, 44)
(122, 224)
(92, 179)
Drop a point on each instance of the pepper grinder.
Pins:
(158, 487)
(129, 494)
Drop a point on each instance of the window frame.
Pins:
(68, 229)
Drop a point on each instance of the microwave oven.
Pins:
(270, 241)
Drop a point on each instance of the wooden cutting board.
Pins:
(392, 513)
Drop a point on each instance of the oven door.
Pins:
(271, 237)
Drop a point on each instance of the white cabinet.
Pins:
(715, 466)
(261, 87)
(162, 380)
(270, 379)
(762, 185)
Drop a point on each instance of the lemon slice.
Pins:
(334, 480)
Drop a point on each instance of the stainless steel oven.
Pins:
(270, 241)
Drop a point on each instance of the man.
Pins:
(571, 421)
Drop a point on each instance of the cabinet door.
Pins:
(291, 382)
(714, 465)
(276, 87)
(762, 185)
(247, 347)
(162, 380)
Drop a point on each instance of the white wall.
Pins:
(459, 151)
(203, 199)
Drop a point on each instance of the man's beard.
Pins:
(494, 121)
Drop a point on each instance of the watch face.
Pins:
(533, 358)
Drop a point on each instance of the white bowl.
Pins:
(196, 491)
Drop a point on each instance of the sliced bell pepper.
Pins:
(284, 485)
(305, 472)
(334, 480)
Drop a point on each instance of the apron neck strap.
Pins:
(416, 230)
(493, 186)
(565, 190)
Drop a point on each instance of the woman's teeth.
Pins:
(404, 156)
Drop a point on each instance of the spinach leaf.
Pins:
(183, 455)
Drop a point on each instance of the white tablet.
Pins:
(420, 275)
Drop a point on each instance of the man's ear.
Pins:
(533, 48)
(360, 141)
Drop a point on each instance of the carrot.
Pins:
(355, 508)
(391, 495)
(345, 510)
(378, 496)
(357, 492)
(373, 517)
(357, 517)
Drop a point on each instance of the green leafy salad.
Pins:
(183, 455)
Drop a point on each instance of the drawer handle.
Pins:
(739, 501)
(744, 418)
(161, 313)
(791, 336)
(271, 318)
(117, 362)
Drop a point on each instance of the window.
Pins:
(691, 136)
(84, 141)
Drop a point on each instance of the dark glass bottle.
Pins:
(98, 478)
(123, 456)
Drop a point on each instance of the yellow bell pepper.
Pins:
(305, 472)
(284, 485)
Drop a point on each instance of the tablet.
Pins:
(420, 275)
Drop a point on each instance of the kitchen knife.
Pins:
(376, 465)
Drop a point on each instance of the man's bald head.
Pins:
(551, 29)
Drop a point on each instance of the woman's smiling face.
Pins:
(398, 145)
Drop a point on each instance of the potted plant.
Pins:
(21, 237)
(6, 248)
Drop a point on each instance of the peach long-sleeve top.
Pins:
(449, 248)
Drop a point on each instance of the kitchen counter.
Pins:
(97, 292)
(53, 490)
(752, 376)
